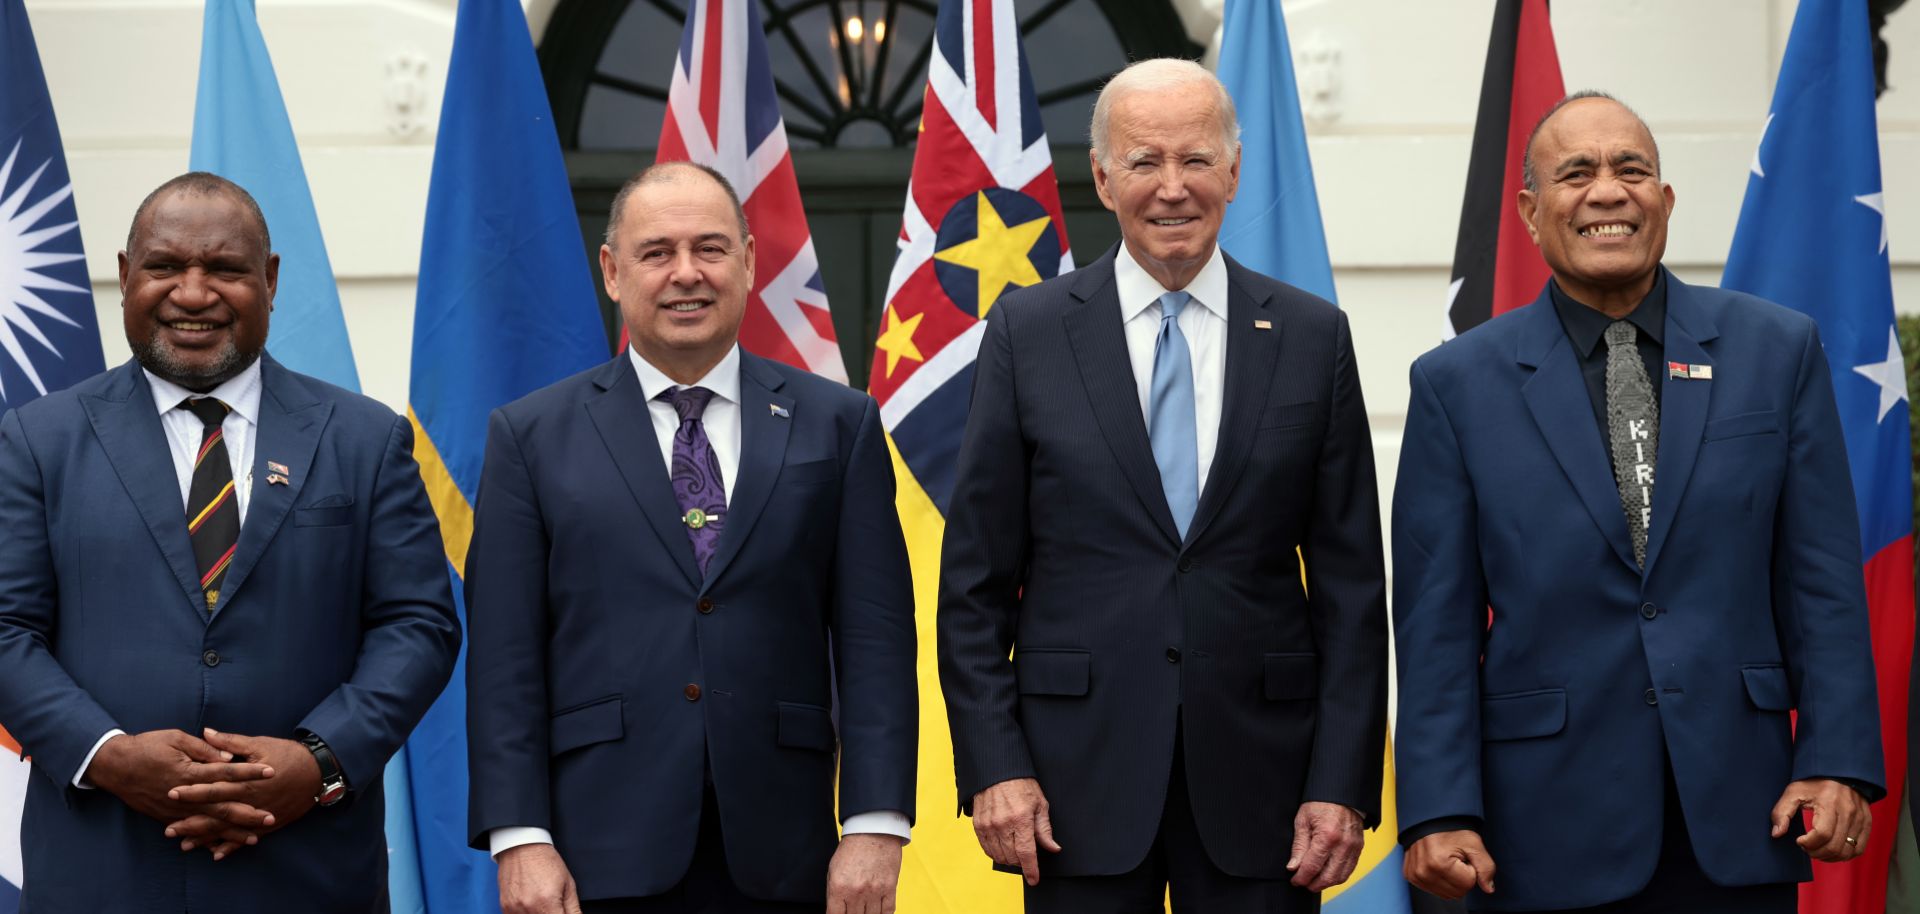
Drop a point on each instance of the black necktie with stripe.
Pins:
(213, 514)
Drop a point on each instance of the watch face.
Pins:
(331, 792)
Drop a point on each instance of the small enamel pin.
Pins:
(1684, 371)
(1263, 325)
(776, 409)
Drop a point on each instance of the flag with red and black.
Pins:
(1496, 267)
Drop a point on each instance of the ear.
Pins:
(747, 252)
(610, 273)
(126, 265)
(273, 277)
(1526, 201)
(1100, 179)
(1666, 192)
(1233, 174)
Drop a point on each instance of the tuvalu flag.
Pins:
(1817, 169)
(982, 216)
(49, 337)
(1496, 268)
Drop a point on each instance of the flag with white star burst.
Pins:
(982, 217)
(1812, 236)
(48, 336)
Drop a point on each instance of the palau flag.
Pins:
(1273, 226)
(1496, 267)
(982, 216)
(505, 306)
(241, 133)
(1813, 236)
(48, 335)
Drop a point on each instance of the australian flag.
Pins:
(1813, 236)
(48, 336)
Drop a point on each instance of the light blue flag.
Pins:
(241, 132)
(505, 306)
(1273, 225)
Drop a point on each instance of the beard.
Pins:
(166, 362)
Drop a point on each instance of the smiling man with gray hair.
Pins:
(1142, 694)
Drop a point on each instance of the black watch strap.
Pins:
(333, 781)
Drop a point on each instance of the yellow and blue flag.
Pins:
(505, 306)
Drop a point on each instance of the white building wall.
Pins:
(1395, 82)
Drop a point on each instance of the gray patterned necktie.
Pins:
(1633, 431)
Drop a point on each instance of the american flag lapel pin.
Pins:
(1687, 371)
(1263, 325)
(776, 409)
(1700, 372)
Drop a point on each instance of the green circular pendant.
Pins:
(695, 518)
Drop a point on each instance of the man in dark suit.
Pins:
(1155, 441)
(223, 599)
(1646, 482)
(684, 563)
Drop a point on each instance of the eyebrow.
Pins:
(705, 236)
(1587, 161)
(1204, 152)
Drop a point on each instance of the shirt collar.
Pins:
(1586, 327)
(241, 393)
(723, 379)
(1138, 289)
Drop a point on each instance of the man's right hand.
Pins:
(1010, 819)
(1450, 863)
(534, 880)
(140, 768)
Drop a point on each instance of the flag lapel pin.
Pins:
(1685, 371)
(277, 473)
(775, 409)
(1263, 325)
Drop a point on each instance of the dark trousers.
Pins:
(1679, 887)
(707, 888)
(1176, 866)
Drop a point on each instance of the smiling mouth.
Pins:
(687, 307)
(1608, 230)
(192, 325)
(1183, 220)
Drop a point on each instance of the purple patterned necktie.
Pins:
(696, 473)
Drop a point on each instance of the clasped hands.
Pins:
(1013, 823)
(1451, 863)
(218, 791)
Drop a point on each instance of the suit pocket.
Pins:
(1290, 677)
(1053, 671)
(331, 511)
(596, 721)
(812, 471)
(1291, 415)
(1768, 688)
(1764, 422)
(805, 726)
(1523, 715)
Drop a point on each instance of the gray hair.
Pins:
(1527, 177)
(1155, 74)
(666, 173)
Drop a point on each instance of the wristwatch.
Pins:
(333, 781)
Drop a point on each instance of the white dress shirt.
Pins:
(721, 420)
(1205, 328)
(184, 430)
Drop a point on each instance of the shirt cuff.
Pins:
(80, 777)
(879, 822)
(501, 840)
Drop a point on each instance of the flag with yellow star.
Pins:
(982, 217)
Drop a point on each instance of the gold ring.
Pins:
(1852, 840)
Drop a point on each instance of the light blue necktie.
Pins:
(1170, 418)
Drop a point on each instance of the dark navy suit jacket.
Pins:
(590, 621)
(1060, 549)
(336, 617)
(1555, 727)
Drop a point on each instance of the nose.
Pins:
(1173, 183)
(686, 269)
(1607, 190)
(193, 292)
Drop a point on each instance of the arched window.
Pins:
(850, 75)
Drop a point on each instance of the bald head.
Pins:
(670, 173)
(1530, 178)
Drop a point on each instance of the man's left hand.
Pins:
(1841, 819)
(863, 875)
(288, 795)
(1326, 845)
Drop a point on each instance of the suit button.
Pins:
(210, 658)
(692, 691)
(1173, 655)
(705, 606)
(1653, 698)
(1186, 565)
(1648, 610)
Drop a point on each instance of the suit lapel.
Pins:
(127, 424)
(1100, 350)
(1249, 378)
(763, 449)
(1557, 396)
(620, 415)
(291, 419)
(1683, 410)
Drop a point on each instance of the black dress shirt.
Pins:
(1587, 329)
